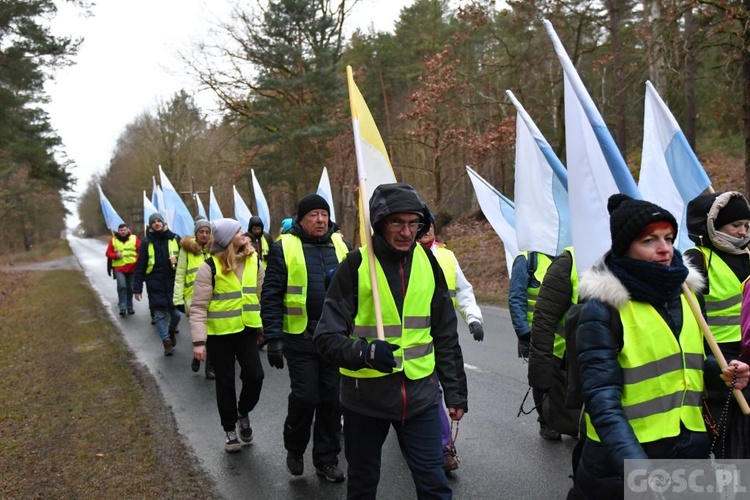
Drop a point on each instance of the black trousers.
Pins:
(224, 349)
(314, 396)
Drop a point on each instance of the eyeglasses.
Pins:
(398, 226)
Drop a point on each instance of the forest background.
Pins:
(435, 87)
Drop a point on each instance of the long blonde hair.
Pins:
(233, 255)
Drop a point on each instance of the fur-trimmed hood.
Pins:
(601, 284)
(191, 245)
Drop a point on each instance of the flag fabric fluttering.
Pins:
(148, 209)
(241, 212)
(671, 174)
(111, 219)
(260, 203)
(540, 192)
(373, 166)
(214, 211)
(181, 222)
(500, 213)
(324, 190)
(596, 169)
(201, 208)
(157, 198)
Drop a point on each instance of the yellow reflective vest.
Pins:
(191, 270)
(724, 300)
(234, 305)
(128, 252)
(447, 260)
(415, 355)
(662, 379)
(295, 296)
(174, 251)
(542, 264)
(558, 346)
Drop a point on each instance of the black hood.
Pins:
(255, 221)
(397, 198)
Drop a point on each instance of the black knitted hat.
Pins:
(311, 202)
(735, 209)
(628, 217)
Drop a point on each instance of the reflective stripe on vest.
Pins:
(127, 251)
(234, 306)
(447, 260)
(542, 264)
(191, 270)
(172, 247)
(415, 356)
(724, 300)
(662, 380)
(558, 345)
(295, 296)
(264, 249)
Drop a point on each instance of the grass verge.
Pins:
(78, 417)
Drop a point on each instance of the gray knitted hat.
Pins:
(223, 231)
(200, 222)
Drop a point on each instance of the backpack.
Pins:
(212, 265)
(574, 389)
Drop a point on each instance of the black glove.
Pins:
(275, 351)
(476, 329)
(379, 356)
(524, 345)
(180, 307)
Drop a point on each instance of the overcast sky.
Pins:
(128, 64)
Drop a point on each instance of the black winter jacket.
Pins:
(160, 282)
(392, 397)
(601, 374)
(321, 262)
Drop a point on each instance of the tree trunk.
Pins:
(689, 79)
(746, 100)
(617, 82)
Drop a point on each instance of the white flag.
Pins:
(324, 190)
(241, 212)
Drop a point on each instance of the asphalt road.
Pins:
(502, 456)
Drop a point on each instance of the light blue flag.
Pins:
(596, 169)
(671, 175)
(241, 212)
(499, 212)
(260, 203)
(324, 191)
(157, 198)
(148, 209)
(180, 220)
(201, 210)
(214, 212)
(541, 190)
(111, 219)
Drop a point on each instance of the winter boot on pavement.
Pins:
(294, 464)
(451, 463)
(245, 431)
(210, 375)
(231, 443)
(167, 347)
(331, 473)
(173, 337)
(549, 433)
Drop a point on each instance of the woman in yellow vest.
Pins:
(718, 225)
(640, 352)
(225, 321)
(194, 251)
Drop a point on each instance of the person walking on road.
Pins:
(394, 382)
(194, 251)
(157, 260)
(260, 239)
(462, 295)
(300, 266)
(224, 323)
(640, 352)
(122, 252)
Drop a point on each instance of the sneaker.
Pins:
(231, 443)
(294, 464)
(131, 311)
(122, 312)
(548, 433)
(172, 337)
(330, 472)
(450, 463)
(167, 347)
(195, 365)
(246, 432)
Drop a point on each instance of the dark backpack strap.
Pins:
(212, 265)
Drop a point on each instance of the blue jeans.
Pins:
(167, 318)
(420, 440)
(125, 289)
